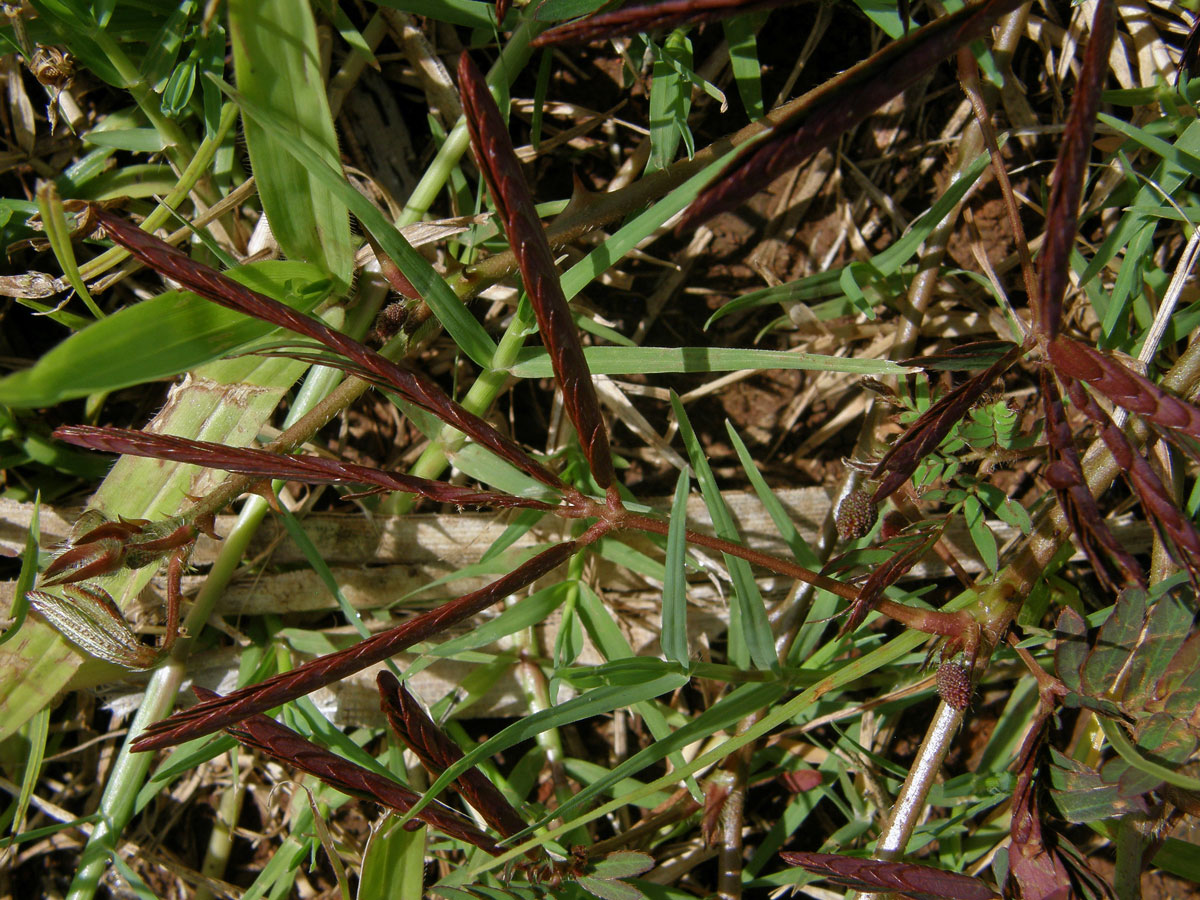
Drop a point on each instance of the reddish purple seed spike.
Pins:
(1066, 188)
(210, 716)
(224, 291)
(506, 183)
(842, 104)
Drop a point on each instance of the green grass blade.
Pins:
(637, 229)
(674, 634)
(750, 637)
(28, 574)
(592, 703)
(278, 68)
(534, 362)
(37, 730)
(782, 521)
(741, 34)
(54, 222)
(670, 101)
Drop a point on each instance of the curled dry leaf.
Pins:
(502, 170)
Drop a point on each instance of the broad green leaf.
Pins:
(1116, 737)
(159, 338)
(393, 863)
(1167, 627)
(135, 140)
(981, 535)
(557, 10)
(278, 68)
(623, 864)
(609, 890)
(1114, 642)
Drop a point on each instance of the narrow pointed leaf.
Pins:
(674, 637)
(750, 636)
(277, 61)
(506, 183)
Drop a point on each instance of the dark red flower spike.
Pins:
(506, 183)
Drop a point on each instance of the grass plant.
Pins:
(967, 402)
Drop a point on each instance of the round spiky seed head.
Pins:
(954, 685)
(856, 515)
